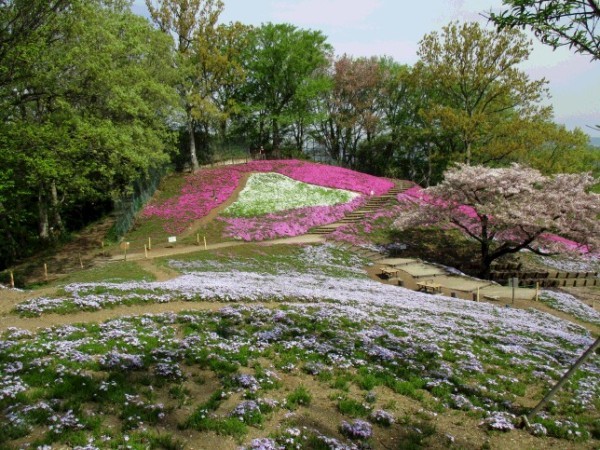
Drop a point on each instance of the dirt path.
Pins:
(50, 320)
(176, 250)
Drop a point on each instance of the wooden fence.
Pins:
(548, 279)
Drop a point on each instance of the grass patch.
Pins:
(299, 397)
(353, 408)
(271, 192)
(111, 273)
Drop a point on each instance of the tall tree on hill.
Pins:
(479, 90)
(352, 107)
(218, 63)
(190, 21)
(283, 64)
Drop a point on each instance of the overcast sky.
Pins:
(395, 27)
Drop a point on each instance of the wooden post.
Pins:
(537, 291)
(205, 248)
(198, 238)
(80, 262)
(45, 272)
(563, 380)
(12, 280)
(149, 243)
(125, 254)
(478, 293)
(514, 281)
(145, 251)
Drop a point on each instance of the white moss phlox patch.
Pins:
(266, 193)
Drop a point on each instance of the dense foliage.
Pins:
(91, 87)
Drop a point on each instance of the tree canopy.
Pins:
(481, 94)
(73, 128)
(510, 209)
(558, 23)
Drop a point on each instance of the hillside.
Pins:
(286, 343)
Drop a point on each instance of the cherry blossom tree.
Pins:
(510, 209)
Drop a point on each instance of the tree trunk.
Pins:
(193, 156)
(429, 173)
(44, 226)
(275, 125)
(468, 159)
(57, 222)
(486, 258)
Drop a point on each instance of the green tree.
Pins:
(353, 111)
(284, 66)
(558, 23)
(218, 64)
(90, 117)
(191, 22)
(25, 26)
(478, 88)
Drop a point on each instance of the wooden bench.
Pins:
(430, 287)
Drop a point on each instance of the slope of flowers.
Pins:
(207, 189)
(405, 340)
(267, 193)
(564, 302)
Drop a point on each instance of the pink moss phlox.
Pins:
(350, 234)
(286, 223)
(208, 189)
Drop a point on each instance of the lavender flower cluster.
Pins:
(358, 429)
(570, 305)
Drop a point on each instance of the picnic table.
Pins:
(429, 286)
(389, 272)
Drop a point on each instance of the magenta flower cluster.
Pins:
(207, 189)
(287, 223)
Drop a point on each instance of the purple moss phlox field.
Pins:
(207, 189)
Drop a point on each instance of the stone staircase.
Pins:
(373, 204)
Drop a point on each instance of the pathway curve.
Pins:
(50, 320)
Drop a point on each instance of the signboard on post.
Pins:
(172, 239)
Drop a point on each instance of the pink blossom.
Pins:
(512, 201)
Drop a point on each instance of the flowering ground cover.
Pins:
(359, 355)
(286, 223)
(266, 193)
(373, 229)
(207, 189)
(329, 359)
(570, 305)
(326, 260)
